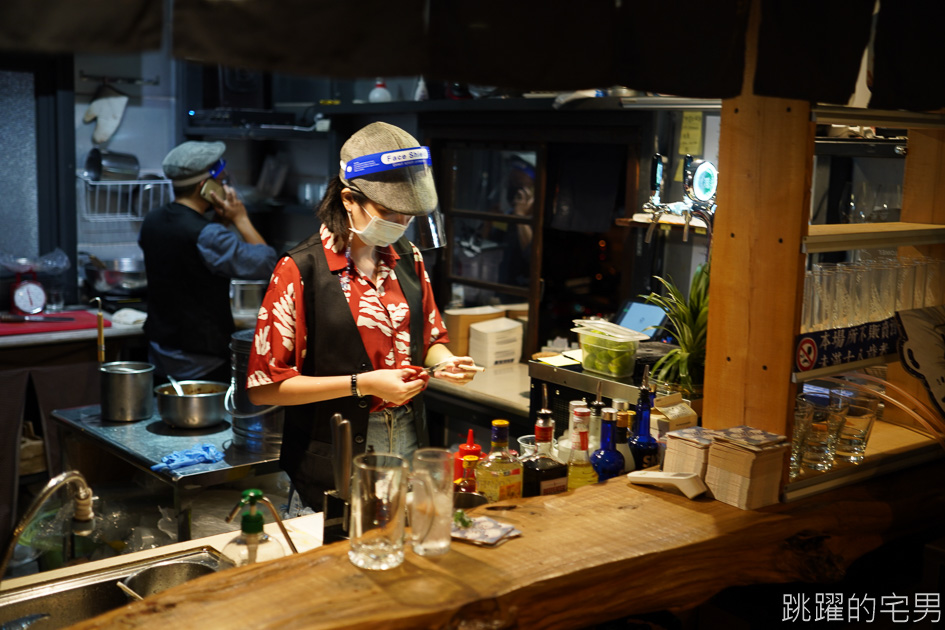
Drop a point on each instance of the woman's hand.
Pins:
(458, 370)
(397, 386)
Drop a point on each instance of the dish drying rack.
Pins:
(125, 199)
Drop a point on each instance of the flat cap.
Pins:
(408, 189)
(191, 159)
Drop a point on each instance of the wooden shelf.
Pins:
(841, 237)
(891, 447)
(644, 218)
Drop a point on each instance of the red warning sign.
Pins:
(806, 354)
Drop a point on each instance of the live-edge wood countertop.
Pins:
(598, 553)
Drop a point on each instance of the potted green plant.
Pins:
(687, 322)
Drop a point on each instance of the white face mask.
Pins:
(378, 232)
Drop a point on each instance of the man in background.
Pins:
(193, 246)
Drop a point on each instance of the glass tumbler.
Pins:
(803, 414)
(854, 434)
(820, 443)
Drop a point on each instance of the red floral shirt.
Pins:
(381, 313)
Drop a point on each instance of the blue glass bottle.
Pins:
(607, 460)
(643, 446)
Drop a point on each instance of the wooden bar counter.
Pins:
(599, 553)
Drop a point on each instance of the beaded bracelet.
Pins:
(354, 386)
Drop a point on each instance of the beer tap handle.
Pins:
(657, 213)
(656, 178)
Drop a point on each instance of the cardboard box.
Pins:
(458, 320)
(517, 311)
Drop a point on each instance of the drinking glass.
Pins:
(822, 303)
(820, 442)
(527, 446)
(934, 276)
(882, 290)
(921, 265)
(905, 285)
(857, 424)
(844, 284)
(859, 294)
(803, 413)
(807, 302)
(378, 496)
(431, 504)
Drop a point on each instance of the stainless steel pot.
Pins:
(127, 391)
(201, 405)
(111, 166)
(256, 428)
(117, 276)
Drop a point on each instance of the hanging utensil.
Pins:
(100, 321)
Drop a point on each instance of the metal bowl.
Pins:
(160, 577)
(118, 276)
(202, 404)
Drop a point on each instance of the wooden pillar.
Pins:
(765, 164)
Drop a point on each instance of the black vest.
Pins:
(188, 305)
(335, 347)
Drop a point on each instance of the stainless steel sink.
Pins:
(70, 600)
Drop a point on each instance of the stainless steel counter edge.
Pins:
(48, 338)
(585, 382)
(503, 387)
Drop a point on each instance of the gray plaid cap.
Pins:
(408, 190)
(191, 159)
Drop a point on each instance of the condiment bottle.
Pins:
(643, 446)
(543, 474)
(469, 448)
(564, 442)
(380, 93)
(622, 437)
(467, 482)
(580, 471)
(607, 460)
(499, 475)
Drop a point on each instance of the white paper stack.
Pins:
(687, 450)
(745, 466)
(496, 341)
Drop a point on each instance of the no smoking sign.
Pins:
(806, 354)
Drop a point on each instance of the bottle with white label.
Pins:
(380, 93)
(542, 473)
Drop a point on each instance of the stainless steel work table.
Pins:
(143, 444)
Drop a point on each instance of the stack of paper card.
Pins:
(687, 450)
(745, 466)
(484, 531)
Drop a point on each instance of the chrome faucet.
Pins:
(82, 517)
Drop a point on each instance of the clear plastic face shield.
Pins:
(401, 179)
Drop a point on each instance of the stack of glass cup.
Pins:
(831, 426)
(837, 295)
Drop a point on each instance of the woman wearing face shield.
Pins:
(349, 319)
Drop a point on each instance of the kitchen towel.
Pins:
(200, 454)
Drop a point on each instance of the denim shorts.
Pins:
(393, 431)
